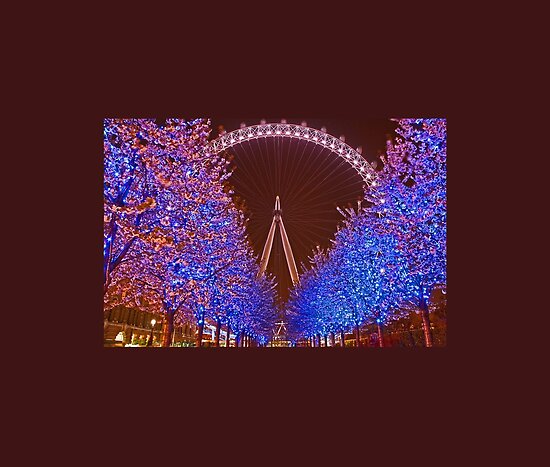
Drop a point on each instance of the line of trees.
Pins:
(174, 242)
(387, 257)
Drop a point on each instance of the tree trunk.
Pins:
(218, 329)
(342, 339)
(426, 323)
(199, 335)
(332, 339)
(227, 336)
(357, 336)
(111, 265)
(107, 257)
(326, 343)
(168, 330)
(380, 336)
(410, 334)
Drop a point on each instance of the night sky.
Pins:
(310, 180)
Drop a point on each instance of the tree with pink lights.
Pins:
(143, 164)
(174, 241)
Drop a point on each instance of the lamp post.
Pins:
(150, 343)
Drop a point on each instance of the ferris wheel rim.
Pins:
(300, 132)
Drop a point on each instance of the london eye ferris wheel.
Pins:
(306, 172)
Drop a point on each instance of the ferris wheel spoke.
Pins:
(267, 152)
(303, 183)
(332, 193)
(251, 179)
(325, 171)
(258, 168)
(243, 173)
(311, 182)
(295, 169)
(270, 163)
(296, 173)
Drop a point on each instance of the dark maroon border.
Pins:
(392, 391)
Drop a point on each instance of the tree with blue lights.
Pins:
(252, 313)
(355, 283)
(174, 242)
(237, 298)
(389, 256)
(372, 271)
(320, 305)
(411, 203)
(305, 306)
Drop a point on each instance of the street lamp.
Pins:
(153, 322)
